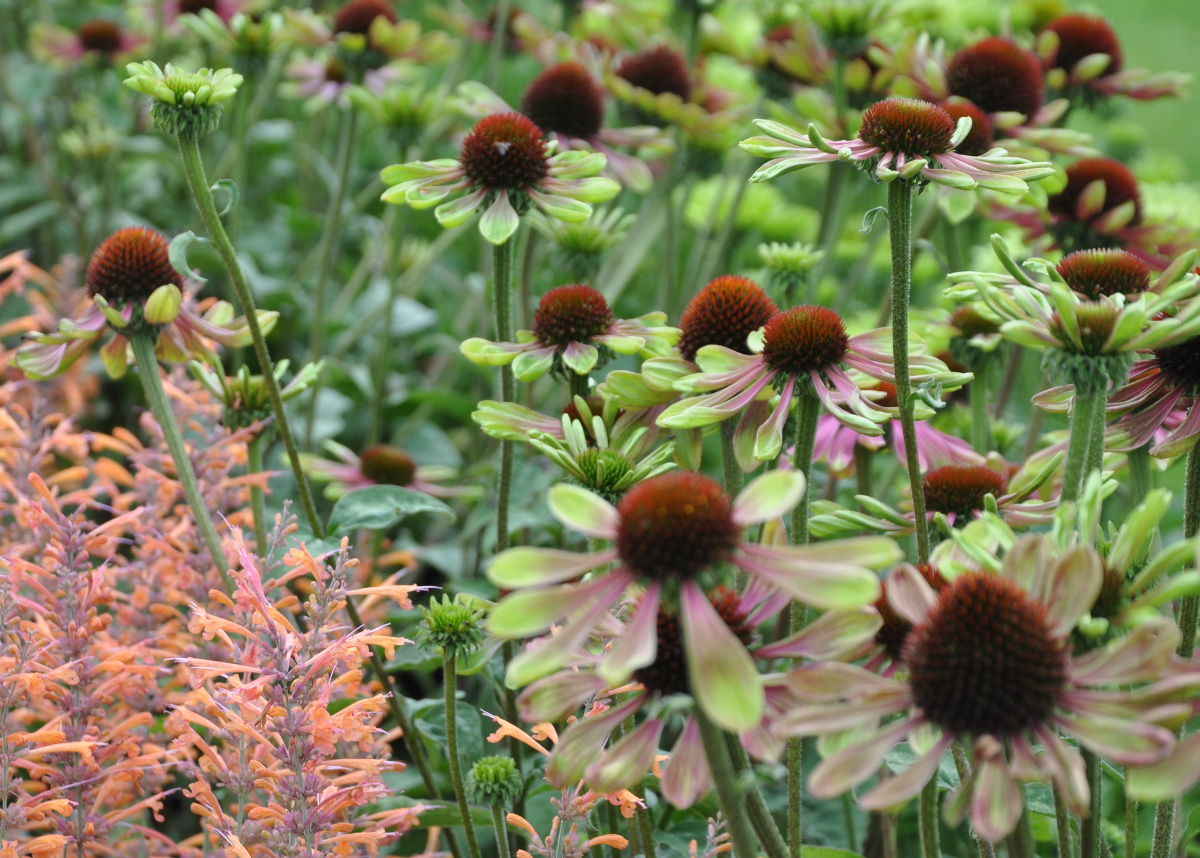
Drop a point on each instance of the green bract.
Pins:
(185, 103)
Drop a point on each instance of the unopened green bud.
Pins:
(495, 781)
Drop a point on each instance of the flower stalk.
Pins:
(450, 688)
(900, 227)
(725, 779)
(143, 353)
(1083, 419)
(928, 820)
(254, 462)
(503, 256)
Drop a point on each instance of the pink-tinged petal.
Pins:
(686, 776)
(526, 566)
(724, 680)
(769, 496)
(1120, 739)
(1134, 657)
(768, 441)
(638, 643)
(533, 364)
(624, 764)
(557, 696)
(1029, 555)
(851, 766)
(532, 611)
(828, 586)
(583, 511)
(831, 682)
(499, 222)
(743, 436)
(1066, 768)
(996, 798)
(894, 791)
(909, 594)
(582, 742)
(1168, 778)
(1070, 586)
(580, 358)
(832, 636)
(865, 713)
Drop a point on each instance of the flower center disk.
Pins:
(998, 75)
(1120, 187)
(1080, 36)
(658, 70)
(675, 526)
(100, 35)
(980, 138)
(129, 265)
(357, 16)
(389, 466)
(571, 314)
(504, 151)
(1181, 364)
(960, 489)
(985, 660)
(1093, 273)
(724, 313)
(566, 100)
(803, 339)
(907, 125)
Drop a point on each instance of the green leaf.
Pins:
(430, 721)
(177, 253)
(379, 507)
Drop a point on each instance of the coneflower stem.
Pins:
(193, 168)
(501, 831)
(450, 687)
(502, 298)
(254, 463)
(928, 820)
(772, 841)
(1167, 812)
(725, 780)
(579, 385)
(1083, 418)
(331, 232)
(147, 364)
(1089, 826)
(1141, 477)
(900, 211)
(1131, 827)
(962, 765)
(731, 470)
(981, 420)
(1062, 822)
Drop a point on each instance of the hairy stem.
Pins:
(502, 298)
(725, 780)
(501, 831)
(756, 806)
(147, 363)
(1089, 826)
(928, 820)
(1083, 417)
(900, 211)
(981, 422)
(450, 688)
(730, 470)
(254, 462)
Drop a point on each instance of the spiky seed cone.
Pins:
(129, 265)
(908, 125)
(565, 99)
(998, 75)
(803, 339)
(960, 489)
(504, 151)
(724, 313)
(573, 313)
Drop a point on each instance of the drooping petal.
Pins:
(639, 643)
(909, 594)
(581, 744)
(833, 635)
(687, 776)
(499, 222)
(532, 611)
(1066, 768)
(1120, 739)
(1134, 657)
(724, 679)
(624, 764)
(1069, 587)
(527, 566)
(769, 496)
(852, 765)
(557, 696)
(583, 511)
(1168, 778)
(996, 798)
(899, 788)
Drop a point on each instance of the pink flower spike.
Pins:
(724, 680)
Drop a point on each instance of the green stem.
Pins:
(848, 821)
(831, 223)
(1062, 822)
(1020, 842)
(900, 211)
(1095, 454)
(864, 458)
(254, 461)
(499, 43)
(1141, 477)
(1131, 827)
(950, 244)
(501, 831)
(756, 806)
(981, 421)
(383, 353)
(1089, 826)
(646, 829)
(725, 780)
(962, 765)
(147, 363)
(730, 469)
(1083, 417)
(502, 297)
(808, 409)
(331, 233)
(928, 820)
(580, 385)
(193, 167)
(1167, 813)
(450, 687)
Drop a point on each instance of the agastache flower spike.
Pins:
(505, 166)
(900, 138)
(669, 535)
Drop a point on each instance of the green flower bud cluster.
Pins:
(185, 103)
(451, 624)
(495, 781)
